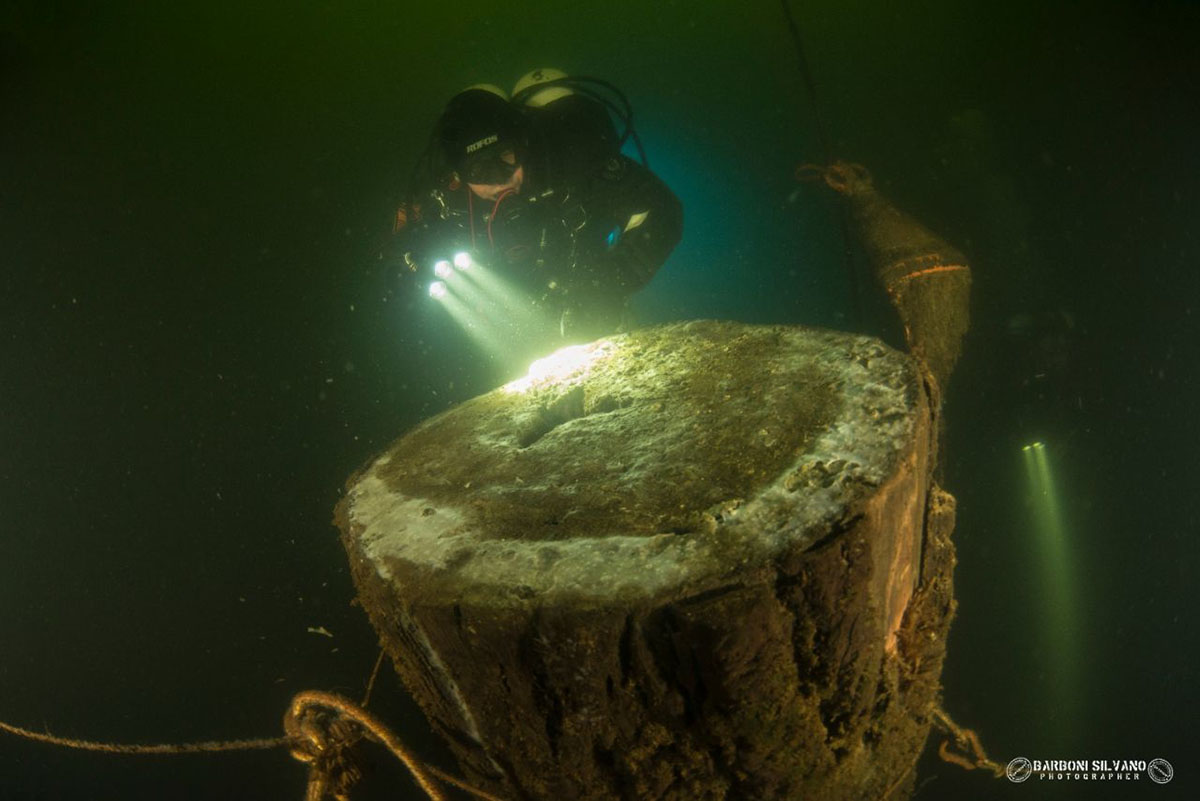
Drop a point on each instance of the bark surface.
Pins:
(699, 561)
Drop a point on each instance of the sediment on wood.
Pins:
(702, 561)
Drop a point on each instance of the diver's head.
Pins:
(496, 175)
(483, 139)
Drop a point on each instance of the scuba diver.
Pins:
(535, 189)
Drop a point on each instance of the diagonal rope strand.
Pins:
(209, 747)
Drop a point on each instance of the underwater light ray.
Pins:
(1059, 589)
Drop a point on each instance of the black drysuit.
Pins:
(588, 228)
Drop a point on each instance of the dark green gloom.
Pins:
(197, 346)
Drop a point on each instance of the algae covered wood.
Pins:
(673, 564)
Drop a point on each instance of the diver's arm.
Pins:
(407, 230)
(424, 231)
(635, 221)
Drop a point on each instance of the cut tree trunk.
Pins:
(699, 561)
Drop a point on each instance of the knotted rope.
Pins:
(320, 730)
(969, 754)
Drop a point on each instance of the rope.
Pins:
(321, 729)
(126, 748)
(809, 84)
(371, 681)
(970, 754)
(323, 743)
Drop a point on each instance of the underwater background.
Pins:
(198, 345)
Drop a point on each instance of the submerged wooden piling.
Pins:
(927, 280)
(699, 561)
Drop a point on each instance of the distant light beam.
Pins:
(1060, 605)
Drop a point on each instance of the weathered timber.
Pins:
(702, 561)
(927, 279)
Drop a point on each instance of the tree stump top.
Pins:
(642, 467)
